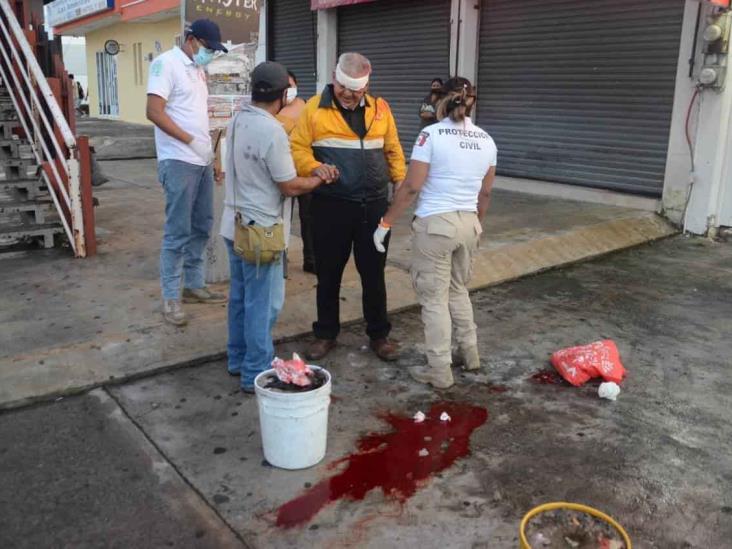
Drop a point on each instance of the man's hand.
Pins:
(327, 173)
(379, 236)
(202, 149)
(219, 176)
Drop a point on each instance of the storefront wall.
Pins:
(140, 43)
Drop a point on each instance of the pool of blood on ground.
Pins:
(391, 461)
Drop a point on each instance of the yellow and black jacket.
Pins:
(367, 165)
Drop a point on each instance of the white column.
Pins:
(709, 204)
(678, 164)
(468, 29)
(327, 55)
(261, 52)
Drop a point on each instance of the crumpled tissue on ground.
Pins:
(609, 390)
(293, 371)
(445, 417)
(419, 417)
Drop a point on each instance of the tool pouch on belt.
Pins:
(258, 244)
(255, 243)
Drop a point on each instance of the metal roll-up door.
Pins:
(293, 41)
(408, 44)
(580, 92)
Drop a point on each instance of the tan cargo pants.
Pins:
(442, 257)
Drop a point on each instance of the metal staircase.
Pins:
(45, 170)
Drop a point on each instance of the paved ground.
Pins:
(659, 459)
(69, 325)
(117, 140)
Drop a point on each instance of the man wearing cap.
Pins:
(356, 133)
(259, 175)
(177, 103)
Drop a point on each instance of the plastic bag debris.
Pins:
(599, 359)
(609, 390)
(293, 371)
(419, 417)
(424, 452)
(445, 417)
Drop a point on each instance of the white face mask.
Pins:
(291, 95)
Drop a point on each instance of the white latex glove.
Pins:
(202, 149)
(379, 236)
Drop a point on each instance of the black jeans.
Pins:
(306, 229)
(338, 227)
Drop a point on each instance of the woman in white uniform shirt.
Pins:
(452, 169)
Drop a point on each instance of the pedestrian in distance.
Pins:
(356, 132)
(452, 170)
(428, 108)
(288, 116)
(177, 103)
(260, 174)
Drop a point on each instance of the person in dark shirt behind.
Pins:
(428, 111)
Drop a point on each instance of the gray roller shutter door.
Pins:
(408, 44)
(580, 92)
(293, 40)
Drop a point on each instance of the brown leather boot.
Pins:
(319, 348)
(385, 349)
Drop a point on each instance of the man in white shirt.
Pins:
(177, 103)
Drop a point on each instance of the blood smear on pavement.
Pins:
(391, 461)
(548, 377)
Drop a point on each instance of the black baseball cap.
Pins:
(270, 77)
(207, 30)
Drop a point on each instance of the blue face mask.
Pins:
(203, 57)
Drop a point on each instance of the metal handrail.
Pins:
(72, 199)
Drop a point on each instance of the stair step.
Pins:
(29, 188)
(13, 235)
(17, 168)
(13, 214)
(16, 148)
(7, 128)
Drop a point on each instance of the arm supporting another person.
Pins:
(301, 185)
(403, 198)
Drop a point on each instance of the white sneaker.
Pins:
(173, 312)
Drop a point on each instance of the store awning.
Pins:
(323, 4)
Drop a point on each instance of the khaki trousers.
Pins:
(442, 257)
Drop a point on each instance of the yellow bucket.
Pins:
(572, 507)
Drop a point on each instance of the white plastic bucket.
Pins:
(294, 425)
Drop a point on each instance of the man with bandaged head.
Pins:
(349, 136)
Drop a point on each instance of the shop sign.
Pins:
(323, 4)
(59, 12)
(237, 19)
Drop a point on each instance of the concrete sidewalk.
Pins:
(69, 325)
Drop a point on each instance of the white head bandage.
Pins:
(354, 84)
